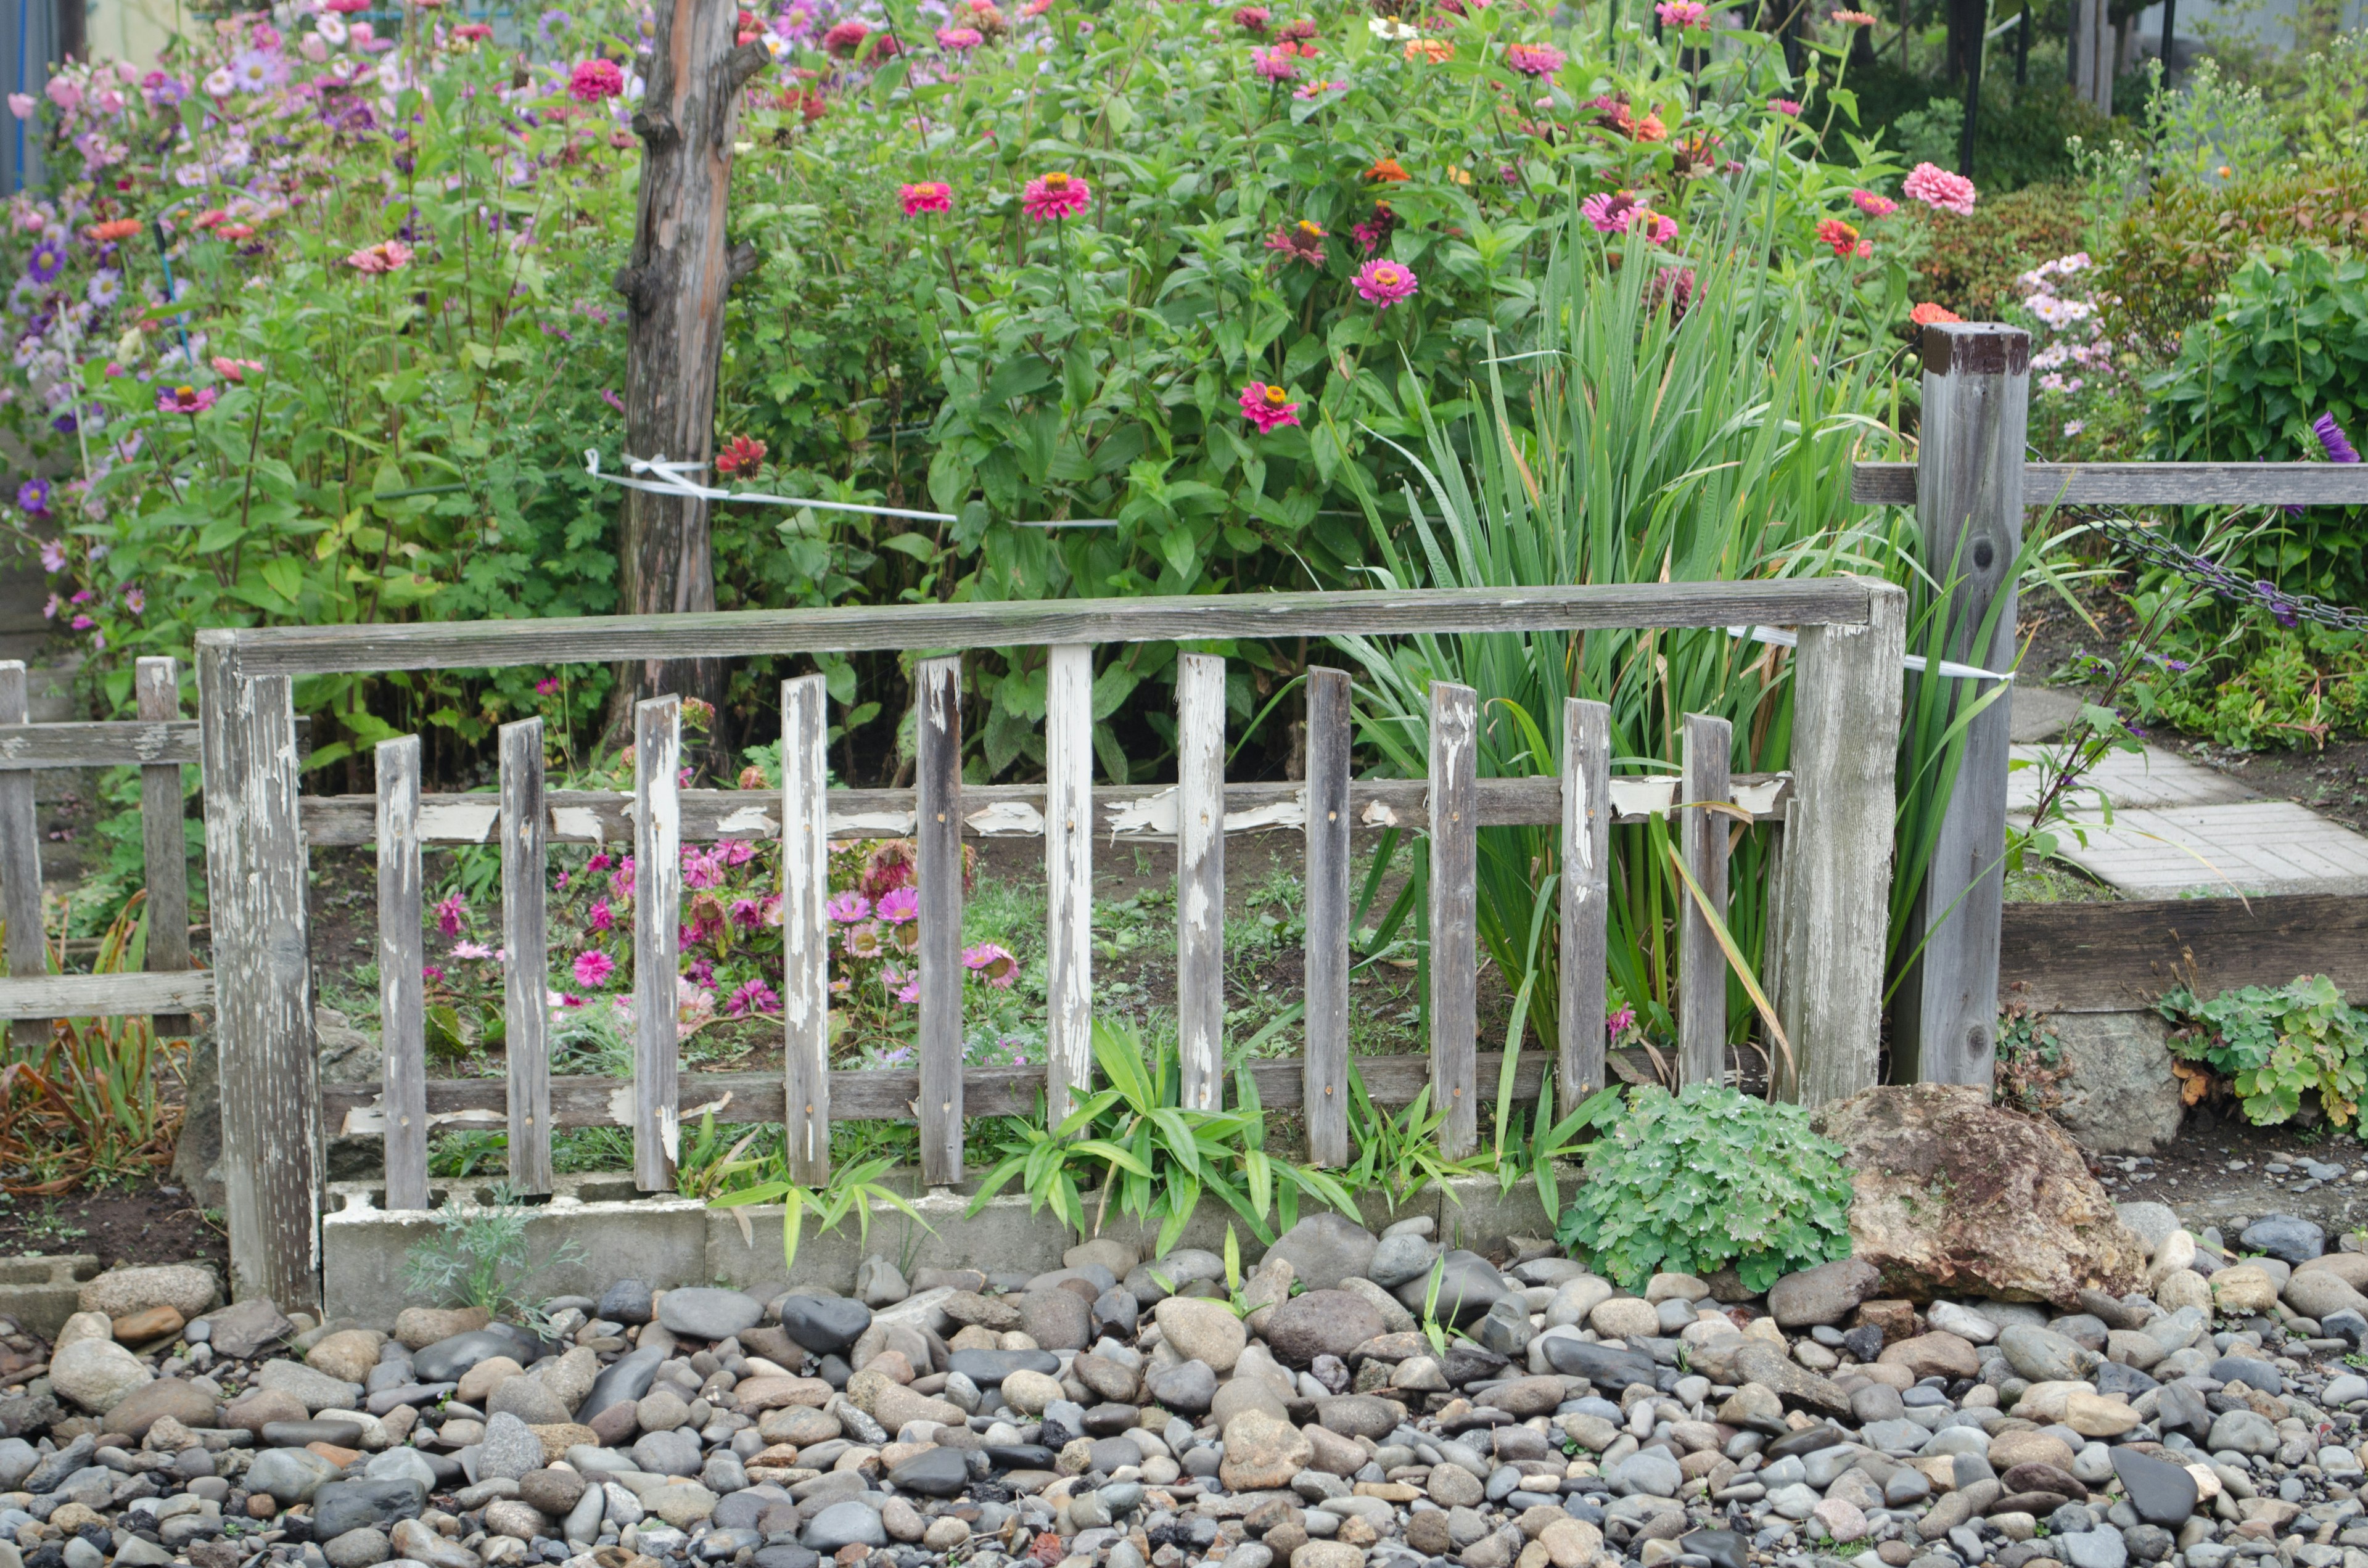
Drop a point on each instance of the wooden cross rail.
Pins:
(159, 742)
(2146, 484)
(1829, 937)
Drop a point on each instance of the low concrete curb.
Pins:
(671, 1242)
(40, 1293)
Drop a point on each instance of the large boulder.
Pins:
(2121, 1096)
(1956, 1197)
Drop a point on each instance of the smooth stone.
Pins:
(702, 1312)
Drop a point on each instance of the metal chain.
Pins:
(2148, 544)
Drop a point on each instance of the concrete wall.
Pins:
(679, 1240)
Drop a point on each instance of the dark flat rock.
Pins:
(2163, 1493)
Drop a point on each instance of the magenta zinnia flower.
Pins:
(594, 81)
(1874, 206)
(960, 38)
(449, 914)
(1268, 407)
(593, 969)
(1534, 59)
(1056, 195)
(2331, 437)
(1790, 108)
(1609, 211)
(930, 196)
(1384, 283)
(1275, 65)
(185, 400)
(753, 998)
(1683, 13)
(1936, 187)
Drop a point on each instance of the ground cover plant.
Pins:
(2296, 1051)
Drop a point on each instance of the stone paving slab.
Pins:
(2245, 846)
(2149, 778)
(2039, 713)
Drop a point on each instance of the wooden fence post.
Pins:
(1703, 834)
(401, 981)
(805, 929)
(1586, 895)
(1068, 878)
(20, 864)
(526, 943)
(263, 979)
(166, 847)
(937, 686)
(1969, 508)
(1455, 913)
(1201, 879)
(1832, 912)
(1325, 1097)
(657, 940)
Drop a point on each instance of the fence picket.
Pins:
(20, 863)
(1325, 1095)
(1703, 840)
(401, 958)
(657, 921)
(526, 941)
(1068, 877)
(937, 686)
(1454, 913)
(1201, 878)
(806, 929)
(156, 683)
(1586, 895)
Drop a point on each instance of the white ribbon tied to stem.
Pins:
(673, 478)
(1948, 668)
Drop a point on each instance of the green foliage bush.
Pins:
(2286, 343)
(2173, 254)
(2259, 686)
(2300, 1049)
(1709, 1177)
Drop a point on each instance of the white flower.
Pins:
(1389, 29)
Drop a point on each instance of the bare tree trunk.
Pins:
(682, 267)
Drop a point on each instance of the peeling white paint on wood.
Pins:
(806, 929)
(1199, 808)
(1067, 824)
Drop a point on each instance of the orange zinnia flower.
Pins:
(1389, 171)
(115, 229)
(1437, 50)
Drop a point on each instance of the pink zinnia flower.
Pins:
(235, 369)
(1268, 407)
(1874, 206)
(1938, 188)
(847, 908)
(1277, 64)
(593, 969)
(387, 256)
(1844, 239)
(1683, 13)
(1787, 107)
(1249, 18)
(960, 39)
(846, 38)
(594, 81)
(899, 906)
(185, 400)
(603, 918)
(1056, 195)
(1384, 283)
(1534, 59)
(1610, 211)
(753, 998)
(930, 196)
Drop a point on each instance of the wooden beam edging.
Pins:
(315, 649)
(106, 995)
(881, 1095)
(998, 810)
(2161, 484)
(2117, 958)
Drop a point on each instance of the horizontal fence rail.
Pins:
(1009, 811)
(740, 634)
(2143, 484)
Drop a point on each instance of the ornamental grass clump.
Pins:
(1707, 1179)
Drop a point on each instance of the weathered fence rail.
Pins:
(260, 827)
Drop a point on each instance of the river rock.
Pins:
(1823, 1295)
(1320, 1322)
(187, 1288)
(1203, 1330)
(97, 1374)
(705, 1313)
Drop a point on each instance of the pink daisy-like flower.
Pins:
(593, 969)
(1844, 240)
(1268, 407)
(1056, 195)
(1609, 211)
(863, 941)
(472, 950)
(1534, 59)
(1938, 188)
(1683, 13)
(847, 908)
(185, 400)
(753, 998)
(1384, 283)
(992, 963)
(1278, 64)
(449, 914)
(1790, 108)
(602, 917)
(594, 81)
(898, 907)
(1874, 206)
(960, 39)
(387, 256)
(930, 196)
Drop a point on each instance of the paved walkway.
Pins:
(2181, 829)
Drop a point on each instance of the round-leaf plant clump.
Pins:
(1693, 1182)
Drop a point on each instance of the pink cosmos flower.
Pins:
(1268, 407)
(1384, 283)
(595, 81)
(593, 969)
(1534, 59)
(1056, 195)
(930, 196)
(960, 39)
(847, 908)
(1683, 13)
(449, 914)
(185, 400)
(1787, 107)
(1936, 187)
(472, 950)
(387, 256)
(1874, 206)
(899, 906)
